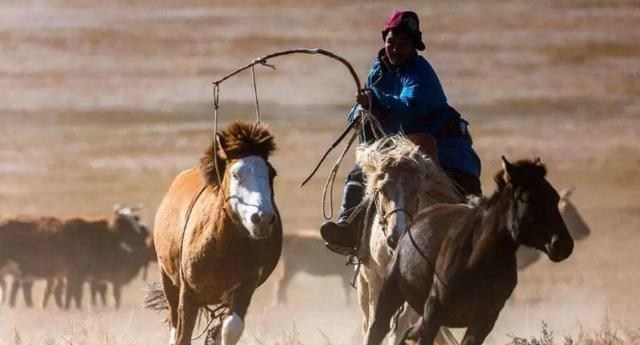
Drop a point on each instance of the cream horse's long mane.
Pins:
(398, 152)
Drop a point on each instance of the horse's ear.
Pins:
(116, 208)
(509, 170)
(566, 193)
(537, 161)
(220, 147)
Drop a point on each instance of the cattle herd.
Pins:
(68, 252)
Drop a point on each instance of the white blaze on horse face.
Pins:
(232, 328)
(398, 195)
(399, 218)
(250, 195)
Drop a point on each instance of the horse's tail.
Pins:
(155, 299)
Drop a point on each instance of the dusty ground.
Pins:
(106, 103)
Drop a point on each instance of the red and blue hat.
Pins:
(407, 22)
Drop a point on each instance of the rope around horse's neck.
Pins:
(184, 231)
(215, 314)
(216, 105)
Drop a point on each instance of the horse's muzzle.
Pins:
(262, 223)
(559, 249)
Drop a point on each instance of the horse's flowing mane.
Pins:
(398, 152)
(238, 140)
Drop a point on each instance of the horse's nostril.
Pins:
(255, 218)
(268, 218)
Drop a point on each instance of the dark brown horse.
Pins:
(217, 242)
(457, 264)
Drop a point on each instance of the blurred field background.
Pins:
(105, 102)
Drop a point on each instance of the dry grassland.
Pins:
(105, 103)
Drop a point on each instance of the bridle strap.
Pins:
(384, 217)
(396, 210)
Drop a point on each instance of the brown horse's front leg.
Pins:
(427, 328)
(233, 324)
(478, 330)
(172, 294)
(390, 300)
(187, 315)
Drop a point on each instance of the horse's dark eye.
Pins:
(235, 175)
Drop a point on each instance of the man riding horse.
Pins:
(405, 95)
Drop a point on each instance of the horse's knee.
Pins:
(232, 328)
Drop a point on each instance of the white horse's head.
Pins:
(401, 180)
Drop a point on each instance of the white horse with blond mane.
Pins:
(400, 180)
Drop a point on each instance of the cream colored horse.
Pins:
(401, 180)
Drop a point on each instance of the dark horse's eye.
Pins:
(523, 197)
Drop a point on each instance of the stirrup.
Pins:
(338, 249)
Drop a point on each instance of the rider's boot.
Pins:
(341, 235)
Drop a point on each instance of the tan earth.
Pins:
(105, 102)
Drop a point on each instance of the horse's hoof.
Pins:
(407, 338)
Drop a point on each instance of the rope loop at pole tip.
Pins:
(263, 61)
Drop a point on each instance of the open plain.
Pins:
(105, 102)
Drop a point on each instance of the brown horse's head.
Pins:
(241, 153)
(533, 217)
